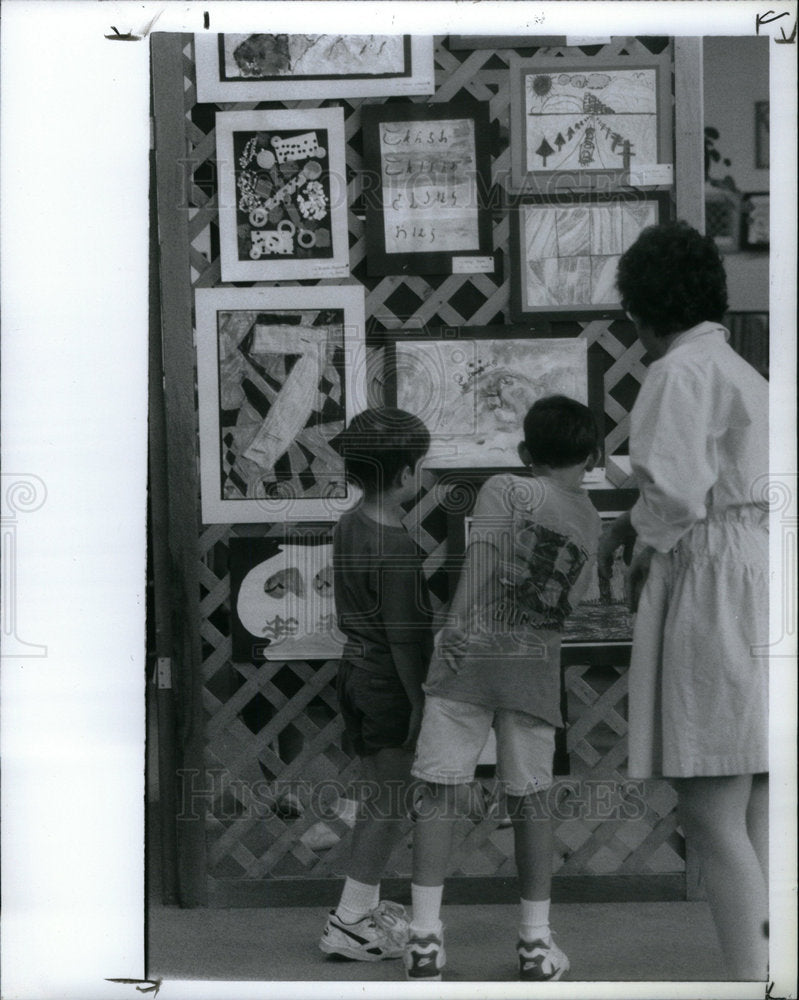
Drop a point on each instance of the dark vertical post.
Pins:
(179, 439)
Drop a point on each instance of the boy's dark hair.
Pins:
(378, 443)
(559, 432)
(672, 278)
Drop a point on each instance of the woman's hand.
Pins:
(617, 534)
(636, 577)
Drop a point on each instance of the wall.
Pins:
(736, 74)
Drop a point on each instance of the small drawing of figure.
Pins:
(587, 146)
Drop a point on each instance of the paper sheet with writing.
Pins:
(429, 194)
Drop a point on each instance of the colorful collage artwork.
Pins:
(282, 214)
(277, 385)
(570, 253)
(590, 119)
(473, 394)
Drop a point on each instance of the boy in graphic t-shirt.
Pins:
(384, 611)
(531, 551)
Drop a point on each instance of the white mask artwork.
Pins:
(287, 601)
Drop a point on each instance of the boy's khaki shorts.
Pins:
(454, 733)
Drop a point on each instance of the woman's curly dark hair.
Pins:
(672, 278)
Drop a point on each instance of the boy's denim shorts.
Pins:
(453, 736)
(375, 709)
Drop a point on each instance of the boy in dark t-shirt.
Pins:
(384, 611)
(531, 551)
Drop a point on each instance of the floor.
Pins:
(621, 942)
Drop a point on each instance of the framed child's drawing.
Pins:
(565, 250)
(430, 171)
(282, 194)
(755, 221)
(282, 601)
(473, 393)
(585, 122)
(280, 371)
(603, 615)
(262, 67)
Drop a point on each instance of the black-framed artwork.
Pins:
(565, 250)
(583, 123)
(603, 616)
(280, 371)
(290, 67)
(282, 194)
(755, 221)
(427, 174)
(281, 594)
(473, 389)
(762, 135)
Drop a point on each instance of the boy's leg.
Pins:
(438, 809)
(382, 812)
(532, 839)
(525, 750)
(376, 716)
(450, 741)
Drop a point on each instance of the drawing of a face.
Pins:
(504, 397)
(288, 599)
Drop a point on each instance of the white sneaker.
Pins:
(380, 934)
(540, 961)
(425, 957)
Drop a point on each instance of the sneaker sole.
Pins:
(548, 979)
(355, 953)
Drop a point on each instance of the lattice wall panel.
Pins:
(272, 731)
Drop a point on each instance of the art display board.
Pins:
(565, 251)
(473, 394)
(429, 173)
(586, 122)
(282, 194)
(282, 599)
(285, 67)
(280, 371)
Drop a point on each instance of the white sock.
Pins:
(426, 901)
(357, 899)
(534, 920)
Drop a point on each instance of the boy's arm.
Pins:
(474, 590)
(475, 582)
(410, 661)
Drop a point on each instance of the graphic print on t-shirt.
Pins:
(545, 568)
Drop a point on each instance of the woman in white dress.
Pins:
(699, 673)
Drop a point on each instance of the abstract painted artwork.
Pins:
(473, 394)
(567, 251)
(285, 67)
(282, 185)
(603, 615)
(428, 216)
(591, 120)
(280, 370)
(282, 599)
